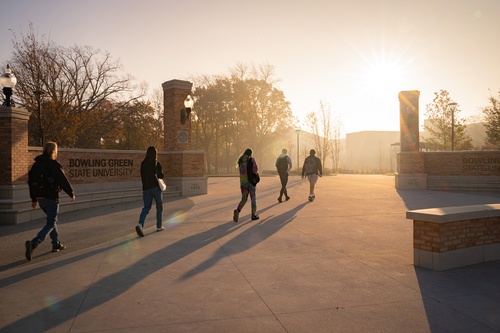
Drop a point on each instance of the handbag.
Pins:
(253, 178)
(161, 183)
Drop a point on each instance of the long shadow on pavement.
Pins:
(118, 283)
(464, 299)
(246, 240)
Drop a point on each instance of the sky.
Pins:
(355, 56)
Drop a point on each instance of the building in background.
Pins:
(371, 152)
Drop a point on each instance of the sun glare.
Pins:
(380, 77)
(383, 78)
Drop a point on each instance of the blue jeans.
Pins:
(147, 197)
(50, 207)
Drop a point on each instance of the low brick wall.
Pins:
(462, 163)
(450, 237)
(437, 237)
(88, 166)
(459, 170)
(102, 177)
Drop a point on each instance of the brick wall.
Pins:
(87, 166)
(443, 237)
(411, 163)
(462, 163)
(184, 164)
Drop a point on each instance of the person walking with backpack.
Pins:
(248, 170)
(46, 179)
(151, 171)
(312, 169)
(283, 165)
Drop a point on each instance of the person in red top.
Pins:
(47, 196)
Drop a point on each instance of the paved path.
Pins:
(343, 263)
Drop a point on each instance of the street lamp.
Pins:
(298, 130)
(188, 105)
(8, 82)
(453, 107)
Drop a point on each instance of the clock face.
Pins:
(182, 137)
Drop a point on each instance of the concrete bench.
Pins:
(451, 237)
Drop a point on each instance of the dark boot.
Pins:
(30, 246)
(254, 213)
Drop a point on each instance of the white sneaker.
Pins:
(160, 229)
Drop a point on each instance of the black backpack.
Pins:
(253, 178)
(309, 166)
(40, 181)
(282, 164)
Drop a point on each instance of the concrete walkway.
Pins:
(343, 263)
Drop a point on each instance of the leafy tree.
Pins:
(492, 119)
(76, 94)
(440, 114)
(138, 130)
(237, 111)
(211, 116)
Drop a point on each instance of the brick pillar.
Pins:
(411, 168)
(177, 135)
(14, 161)
(184, 168)
(408, 120)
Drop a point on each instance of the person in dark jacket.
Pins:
(283, 165)
(47, 197)
(246, 162)
(151, 169)
(312, 169)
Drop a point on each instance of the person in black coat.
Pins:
(46, 179)
(151, 169)
(283, 165)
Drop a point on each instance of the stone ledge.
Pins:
(458, 213)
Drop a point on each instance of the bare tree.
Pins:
(76, 94)
(158, 108)
(336, 142)
(320, 125)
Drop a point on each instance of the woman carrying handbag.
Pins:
(151, 172)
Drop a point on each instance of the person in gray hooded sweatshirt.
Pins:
(283, 165)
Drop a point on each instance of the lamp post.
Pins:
(298, 130)
(39, 94)
(196, 118)
(8, 81)
(188, 105)
(453, 107)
